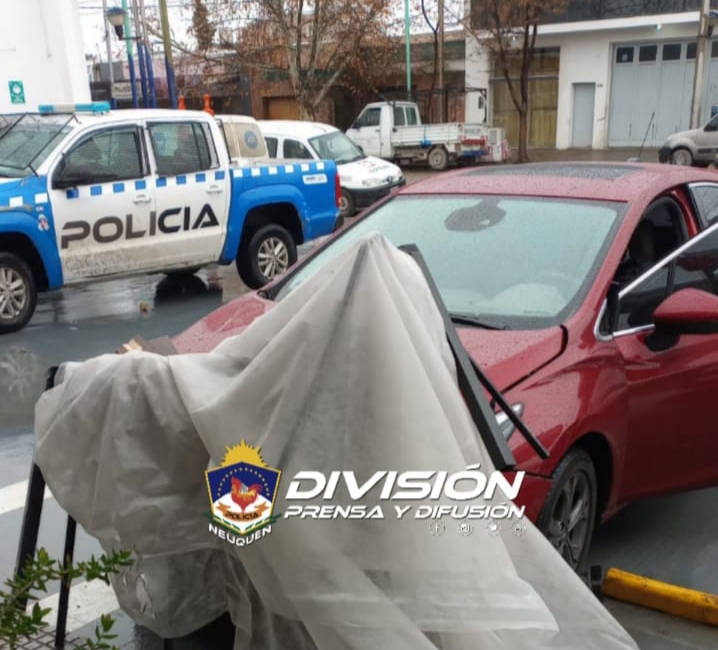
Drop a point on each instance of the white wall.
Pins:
(41, 45)
(586, 57)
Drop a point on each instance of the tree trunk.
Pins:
(524, 135)
(306, 110)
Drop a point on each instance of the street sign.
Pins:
(17, 92)
(123, 90)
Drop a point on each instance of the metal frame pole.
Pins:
(140, 54)
(169, 61)
(108, 46)
(407, 37)
(148, 57)
(130, 56)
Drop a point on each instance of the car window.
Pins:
(182, 148)
(660, 231)
(109, 155)
(694, 266)
(705, 198)
(271, 146)
(712, 125)
(526, 262)
(295, 149)
(411, 118)
(370, 117)
(399, 116)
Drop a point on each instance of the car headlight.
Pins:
(372, 182)
(505, 424)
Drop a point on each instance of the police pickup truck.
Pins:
(87, 193)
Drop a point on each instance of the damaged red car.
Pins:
(588, 294)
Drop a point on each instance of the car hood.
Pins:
(369, 168)
(506, 357)
(682, 135)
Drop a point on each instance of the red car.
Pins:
(587, 293)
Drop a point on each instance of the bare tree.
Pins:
(317, 43)
(508, 29)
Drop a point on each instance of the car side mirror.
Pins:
(356, 125)
(686, 312)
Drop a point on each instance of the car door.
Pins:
(366, 131)
(192, 189)
(672, 442)
(706, 140)
(102, 203)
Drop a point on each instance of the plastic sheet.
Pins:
(351, 371)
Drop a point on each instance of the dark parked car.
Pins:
(588, 293)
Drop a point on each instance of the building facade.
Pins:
(42, 59)
(608, 73)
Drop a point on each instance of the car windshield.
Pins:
(28, 140)
(505, 261)
(337, 147)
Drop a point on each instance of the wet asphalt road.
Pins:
(673, 539)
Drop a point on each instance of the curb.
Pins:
(646, 592)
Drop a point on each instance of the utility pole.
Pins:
(169, 62)
(701, 56)
(108, 45)
(407, 37)
(442, 98)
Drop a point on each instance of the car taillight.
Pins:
(337, 190)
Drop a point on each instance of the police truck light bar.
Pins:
(92, 107)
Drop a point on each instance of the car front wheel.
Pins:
(681, 156)
(568, 516)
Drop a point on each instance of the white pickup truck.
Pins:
(394, 131)
(87, 193)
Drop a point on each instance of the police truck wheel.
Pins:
(269, 252)
(18, 294)
(438, 159)
(569, 513)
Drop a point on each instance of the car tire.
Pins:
(18, 293)
(568, 515)
(268, 252)
(438, 159)
(347, 206)
(682, 156)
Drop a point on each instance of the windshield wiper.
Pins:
(475, 321)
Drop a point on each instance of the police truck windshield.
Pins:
(25, 142)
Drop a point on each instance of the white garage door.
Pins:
(651, 89)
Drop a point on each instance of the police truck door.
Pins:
(192, 191)
(102, 204)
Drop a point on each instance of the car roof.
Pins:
(602, 181)
(295, 128)
(129, 114)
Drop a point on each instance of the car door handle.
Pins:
(214, 189)
(142, 198)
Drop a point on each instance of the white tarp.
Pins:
(351, 371)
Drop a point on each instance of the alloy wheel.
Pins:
(13, 293)
(273, 257)
(569, 524)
